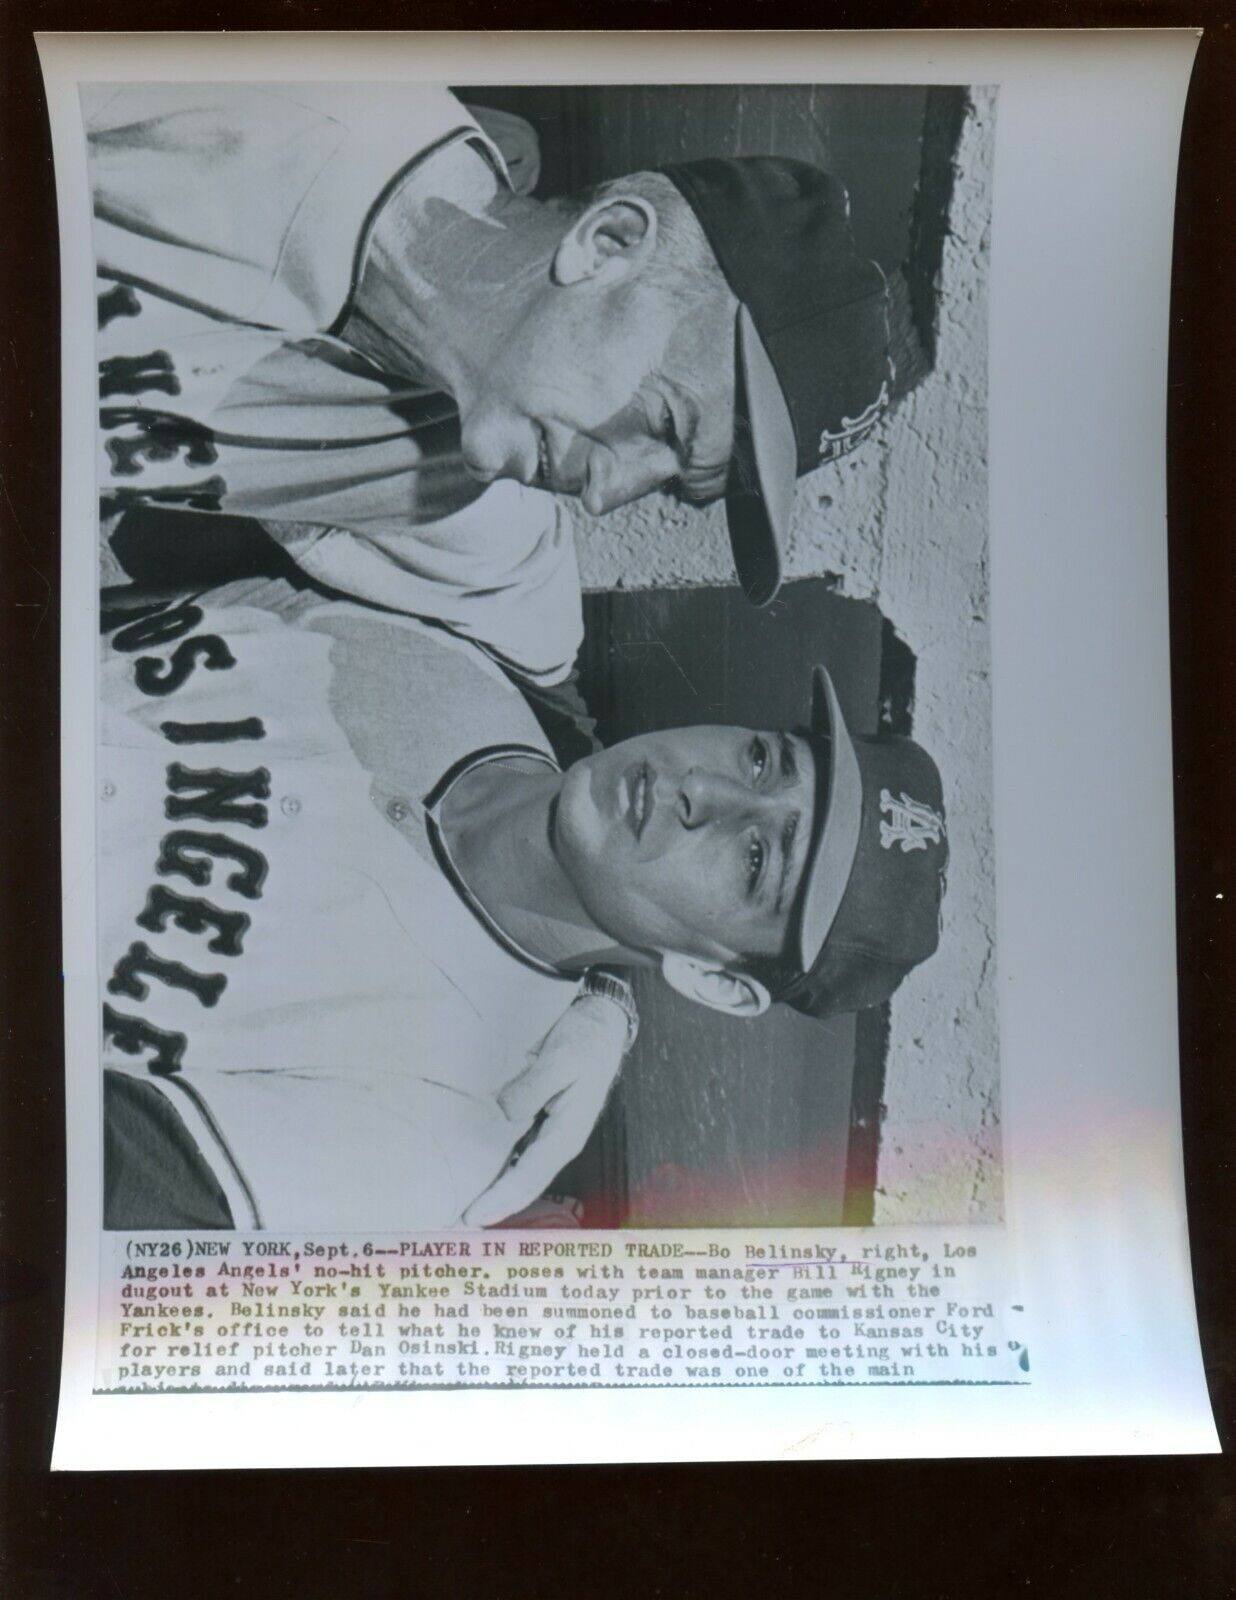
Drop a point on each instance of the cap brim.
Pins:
(758, 507)
(832, 860)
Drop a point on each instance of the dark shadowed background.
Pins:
(774, 1121)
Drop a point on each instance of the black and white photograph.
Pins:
(614, 664)
(544, 765)
(616, 854)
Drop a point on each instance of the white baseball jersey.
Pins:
(231, 229)
(281, 953)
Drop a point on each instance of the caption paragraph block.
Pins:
(506, 1310)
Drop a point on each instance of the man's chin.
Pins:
(578, 825)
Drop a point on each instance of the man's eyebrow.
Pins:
(789, 771)
(689, 436)
(788, 834)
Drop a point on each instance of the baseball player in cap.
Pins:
(351, 909)
(327, 308)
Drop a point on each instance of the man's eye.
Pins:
(759, 759)
(755, 863)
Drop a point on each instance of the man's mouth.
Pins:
(638, 784)
(550, 474)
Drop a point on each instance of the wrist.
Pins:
(606, 985)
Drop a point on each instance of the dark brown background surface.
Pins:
(1154, 1528)
(713, 1122)
(856, 132)
(775, 1121)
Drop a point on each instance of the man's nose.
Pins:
(705, 797)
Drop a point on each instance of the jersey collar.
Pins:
(433, 804)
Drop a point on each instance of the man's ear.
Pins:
(613, 239)
(716, 986)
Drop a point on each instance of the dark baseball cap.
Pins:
(812, 368)
(869, 908)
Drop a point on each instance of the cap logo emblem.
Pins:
(911, 824)
(853, 430)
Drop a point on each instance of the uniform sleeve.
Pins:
(501, 573)
(513, 590)
(252, 202)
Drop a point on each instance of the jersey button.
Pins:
(109, 789)
(397, 810)
(289, 805)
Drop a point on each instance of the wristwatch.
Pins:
(601, 981)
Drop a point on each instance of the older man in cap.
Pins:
(327, 307)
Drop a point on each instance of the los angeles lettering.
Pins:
(221, 797)
(140, 436)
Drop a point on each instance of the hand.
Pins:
(561, 1092)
